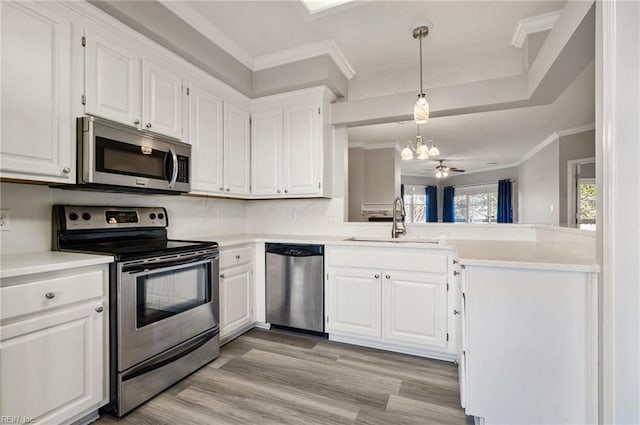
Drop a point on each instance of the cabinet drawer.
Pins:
(236, 256)
(41, 295)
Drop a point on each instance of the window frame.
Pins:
(467, 192)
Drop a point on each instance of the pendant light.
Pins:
(421, 108)
(433, 149)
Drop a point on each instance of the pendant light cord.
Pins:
(420, 36)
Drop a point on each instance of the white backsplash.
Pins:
(189, 216)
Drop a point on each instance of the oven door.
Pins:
(163, 302)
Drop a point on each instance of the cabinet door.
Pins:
(236, 299)
(53, 365)
(161, 100)
(205, 136)
(353, 302)
(36, 113)
(415, 308)
(236, 150)
(112, 77)
(266, 153)
(302, 150)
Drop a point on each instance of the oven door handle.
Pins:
(174, 264)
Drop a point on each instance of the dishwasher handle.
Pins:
(289, 250)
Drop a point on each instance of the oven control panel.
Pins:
(81, 217)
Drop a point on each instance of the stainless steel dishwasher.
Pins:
(295, 289)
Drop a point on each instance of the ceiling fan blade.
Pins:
(457, 170)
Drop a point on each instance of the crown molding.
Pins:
(367, 146)
(194, 18)
(546, 142)
(532, 25)
(305, 51)
(576, 130)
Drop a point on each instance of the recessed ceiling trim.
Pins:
(532, 25)
(546, 142)
(206, 28)
(576, 130)
(315, 6)
(306, 51)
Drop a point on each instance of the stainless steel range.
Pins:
(164, 314)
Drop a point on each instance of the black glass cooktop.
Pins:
(131, 250)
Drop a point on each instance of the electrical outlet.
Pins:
(5, 219)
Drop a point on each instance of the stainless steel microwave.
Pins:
(116, 157)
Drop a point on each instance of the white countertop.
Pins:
(511, 254)
(12, 265)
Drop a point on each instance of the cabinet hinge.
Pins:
(83, 40)
(447, 287)
(327, 276)
(327, 319)
(187, 91)
(84, 99)
(318, 111)
(319, 184)
(447, 336)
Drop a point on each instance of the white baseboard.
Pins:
(398, 348)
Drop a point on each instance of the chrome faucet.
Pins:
(395, 231)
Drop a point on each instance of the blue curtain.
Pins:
(449, 208)
(431, 215)
(505, 209)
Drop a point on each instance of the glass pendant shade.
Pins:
(433, 149)
(421, 109)
(407, 153)
(422, 151)
(445, 173)
(439, 174)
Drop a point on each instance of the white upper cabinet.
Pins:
(266, 152)
(128, 83)
(205, 136)
(237, 169)
(161, 99)
(302, 150)
(290, 135)
(112, 77)
(37, 117)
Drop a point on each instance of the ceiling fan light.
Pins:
(439, 174)
(406, 154)
(445, 173)
(421, 109)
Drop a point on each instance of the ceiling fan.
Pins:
(443, 171)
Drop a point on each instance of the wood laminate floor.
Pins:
(275, 377)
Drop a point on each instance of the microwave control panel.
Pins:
(183, 169)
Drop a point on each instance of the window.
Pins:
(415, 203)
(476, 204)
(587, 204)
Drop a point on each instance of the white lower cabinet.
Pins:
(54, 346)
(416, 308)
(236, 291)
(353, 302)
(371, 300)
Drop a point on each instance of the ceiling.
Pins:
(469, 41)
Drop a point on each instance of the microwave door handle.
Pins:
(174, 172)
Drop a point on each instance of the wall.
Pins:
(189, 216)
(381, 176)
(356, 184)
(574, 146)
(538, 192)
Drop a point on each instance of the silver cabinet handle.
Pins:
(222, 276)
(278, 191)
(99, 309)
(388, 276)
(221, 189)
(228, 189)
(456, 273)
(238, 257)
(377, 276)
(148, 125)
(50, 295)
(456, 311)
(136, 122)
(455, 261)
(286, 191)
(66, 170)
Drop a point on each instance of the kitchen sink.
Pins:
(392, 240)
